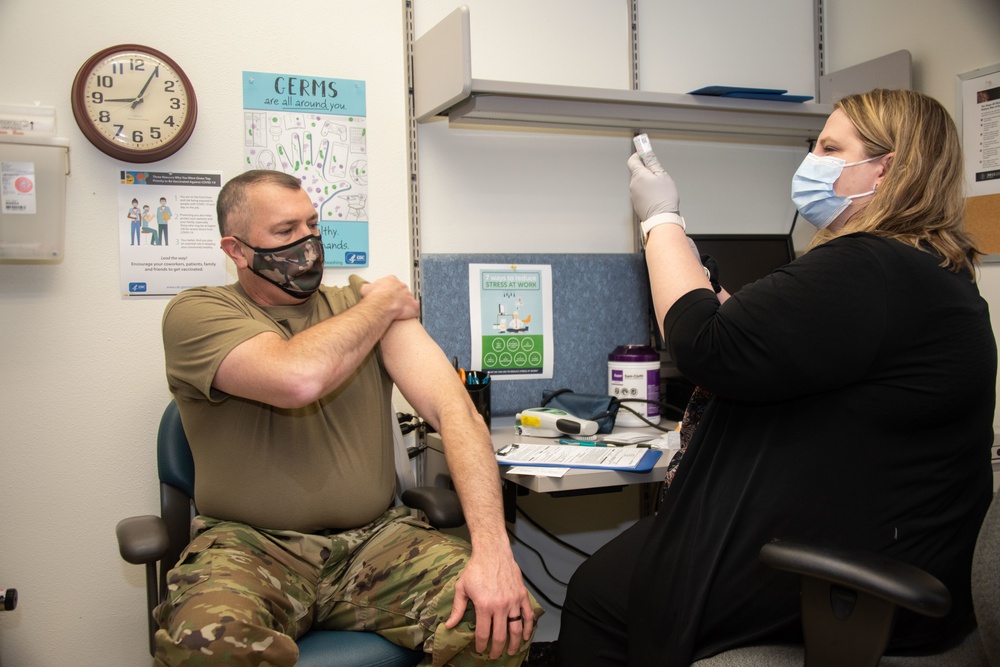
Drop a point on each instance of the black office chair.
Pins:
(158, 541)
(849, 602)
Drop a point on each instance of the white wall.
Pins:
(945, 38)
(486, 190)
(687, 44)
(83, 380)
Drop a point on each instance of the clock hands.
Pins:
(138, 98)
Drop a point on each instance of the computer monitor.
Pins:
(745, 258)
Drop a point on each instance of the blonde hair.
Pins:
(920, 200)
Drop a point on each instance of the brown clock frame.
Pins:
(109, 147)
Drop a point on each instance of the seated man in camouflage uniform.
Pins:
(284, 389)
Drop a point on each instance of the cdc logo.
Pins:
(136, 287)
(355, 258)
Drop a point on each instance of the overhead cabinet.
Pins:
(444, 86)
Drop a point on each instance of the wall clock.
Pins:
(134, 103)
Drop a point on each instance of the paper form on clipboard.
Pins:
(632, 459)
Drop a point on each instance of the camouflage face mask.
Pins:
(296, 268)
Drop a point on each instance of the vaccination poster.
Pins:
(981, 130)
(979, 101)
(315, 129)
(511, 319)
(167, 232)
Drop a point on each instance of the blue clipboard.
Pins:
(515, 457)
(770, 94)
(770, 98)
(722, 91)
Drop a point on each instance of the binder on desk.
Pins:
(629, 459)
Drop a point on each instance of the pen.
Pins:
(476, 378)
(585, 443)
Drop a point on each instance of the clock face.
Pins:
(134, 103)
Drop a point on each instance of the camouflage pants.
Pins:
(240, 596)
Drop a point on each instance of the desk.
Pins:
(575, 480)
(586, 508)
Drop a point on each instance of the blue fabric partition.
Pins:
(599, 301)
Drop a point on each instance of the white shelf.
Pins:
(444, 86)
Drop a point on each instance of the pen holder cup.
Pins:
(478, 385)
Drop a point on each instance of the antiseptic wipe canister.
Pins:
(634, 373)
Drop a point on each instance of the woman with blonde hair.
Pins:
(923, 202)
(852, 402)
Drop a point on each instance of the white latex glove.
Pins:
(651, 189)
(694, 249)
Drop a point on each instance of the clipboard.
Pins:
(722, 91)
(772, 94)
(626, 459)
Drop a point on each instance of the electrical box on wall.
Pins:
(34, 164)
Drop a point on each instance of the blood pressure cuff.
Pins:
(595, 407)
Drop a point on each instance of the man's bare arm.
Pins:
(295, 372)
(492, 580)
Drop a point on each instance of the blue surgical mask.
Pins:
(812, 188)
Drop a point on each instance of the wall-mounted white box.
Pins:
(33, 169)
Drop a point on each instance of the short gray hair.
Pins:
(233, 207)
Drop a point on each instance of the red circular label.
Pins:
(23, 184)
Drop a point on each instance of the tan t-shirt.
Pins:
(328, 465)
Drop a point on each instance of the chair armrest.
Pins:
(442, 506)
(142, 539)
(886, 578)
